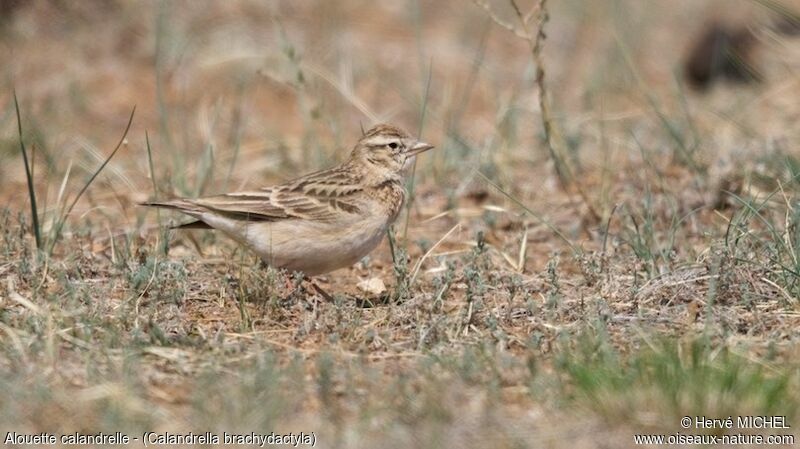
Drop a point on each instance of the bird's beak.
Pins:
(417, 148)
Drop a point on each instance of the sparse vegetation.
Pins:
(574, 269)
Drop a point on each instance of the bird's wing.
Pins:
(321, 196)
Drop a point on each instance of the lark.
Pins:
(320, 222)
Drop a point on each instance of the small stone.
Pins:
(374, 286)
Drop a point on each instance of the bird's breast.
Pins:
(390, 196)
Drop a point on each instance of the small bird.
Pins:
(320, 222)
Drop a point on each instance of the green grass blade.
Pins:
(150, 164)
(165, 243)
(63, 218)
(37, 233)
(533, 214)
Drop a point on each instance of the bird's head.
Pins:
(387, 151)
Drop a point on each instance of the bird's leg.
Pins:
(319, 289)
(294, 285)
(292, 282)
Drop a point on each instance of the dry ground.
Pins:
(658, 277)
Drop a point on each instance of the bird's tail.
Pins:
(178, 204)
(181, 205)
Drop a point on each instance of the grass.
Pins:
(515, 314)
(695, 377)
(37, 232)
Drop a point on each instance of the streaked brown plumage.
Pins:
(322, 221)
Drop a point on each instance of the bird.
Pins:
(322, 221)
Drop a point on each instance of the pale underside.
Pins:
(302, 245)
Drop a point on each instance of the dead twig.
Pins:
(535, 39)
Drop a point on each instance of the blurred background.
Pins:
(635, 264)
(247, 92)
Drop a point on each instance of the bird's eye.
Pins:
(393, 145)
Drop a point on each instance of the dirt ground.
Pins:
(568, 276)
